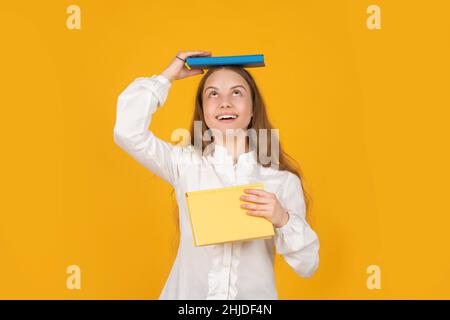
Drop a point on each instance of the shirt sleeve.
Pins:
(135, 107)
(296, 241)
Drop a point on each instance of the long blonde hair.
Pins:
(259, 121)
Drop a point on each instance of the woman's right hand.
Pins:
(177, 70)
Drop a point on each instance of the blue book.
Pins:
(248, 61)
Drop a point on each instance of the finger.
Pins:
(257, 213)
(193, 72)
(258, 192)
(186, 54)
(255, 199)
(255, 206)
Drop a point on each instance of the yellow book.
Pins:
(216, 216)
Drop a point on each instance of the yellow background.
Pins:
(365, 112)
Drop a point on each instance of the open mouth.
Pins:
(227, 117)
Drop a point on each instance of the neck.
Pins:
(235, 148)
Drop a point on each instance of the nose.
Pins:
(225, 104)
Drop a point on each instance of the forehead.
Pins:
(224, 79)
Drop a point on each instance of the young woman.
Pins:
(229, 104)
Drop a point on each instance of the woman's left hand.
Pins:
(265, 204)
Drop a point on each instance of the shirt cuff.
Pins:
(163, 79)
(286, 226)
(159, 85)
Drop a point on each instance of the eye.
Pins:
(237, 91)
(212, 92)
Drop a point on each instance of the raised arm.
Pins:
(135, 108)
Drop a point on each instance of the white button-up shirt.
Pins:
(234, 270)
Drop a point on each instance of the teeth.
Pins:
(227, 116)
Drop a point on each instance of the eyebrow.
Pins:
(238, 85)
